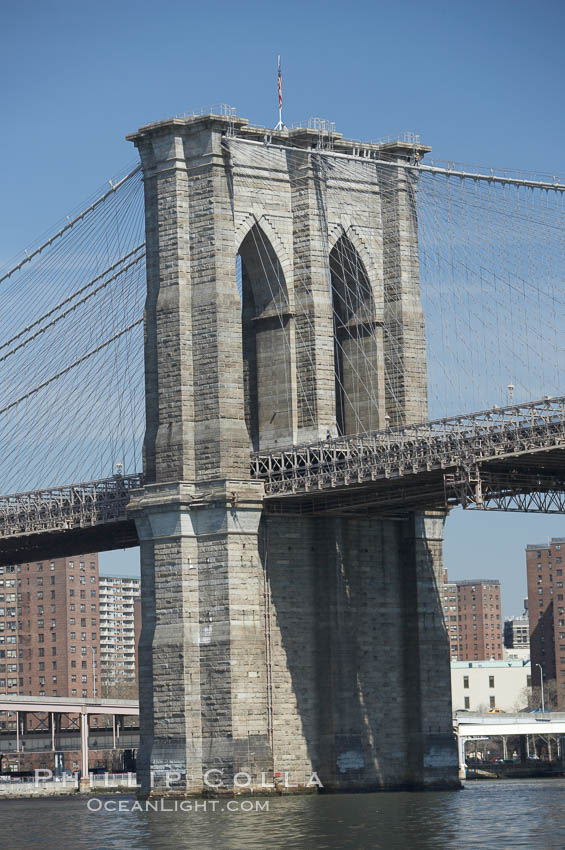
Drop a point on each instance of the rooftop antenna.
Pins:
(280, 125)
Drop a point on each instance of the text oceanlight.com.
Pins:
(95, 804)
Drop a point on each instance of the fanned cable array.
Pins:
(492, 279)
(489, 254)
(491, 264)
(71, 346)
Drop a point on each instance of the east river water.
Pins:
(500, 814)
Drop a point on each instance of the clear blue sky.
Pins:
(482, 82)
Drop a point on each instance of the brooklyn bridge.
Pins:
(249, 355)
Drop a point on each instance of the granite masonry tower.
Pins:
(281, 644)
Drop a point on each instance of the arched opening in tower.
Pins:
(358, 349)
(266, 329)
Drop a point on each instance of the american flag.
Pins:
(280, 84)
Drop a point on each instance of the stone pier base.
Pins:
(287, 655)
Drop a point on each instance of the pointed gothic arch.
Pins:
(266, 320)
(358, 345)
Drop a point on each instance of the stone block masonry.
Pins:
(280, 645)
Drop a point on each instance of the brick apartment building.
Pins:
(49, 628)
(473, 618)
(50, 646)
(546, 607)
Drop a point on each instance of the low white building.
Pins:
(483, 685)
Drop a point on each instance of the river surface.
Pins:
(501, 814)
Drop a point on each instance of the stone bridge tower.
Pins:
(281, 644)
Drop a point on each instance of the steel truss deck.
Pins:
(510, 459)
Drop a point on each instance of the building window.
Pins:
(491, 681)
(492, 702)
(465, 681)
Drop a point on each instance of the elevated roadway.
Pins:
(510, 459)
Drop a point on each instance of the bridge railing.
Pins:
(404, 450)
(71, 506)
(454, 443)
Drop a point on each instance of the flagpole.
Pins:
(280, 125)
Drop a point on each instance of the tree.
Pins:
(549, 695)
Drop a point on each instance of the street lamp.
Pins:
(541, 680)
(94, 670)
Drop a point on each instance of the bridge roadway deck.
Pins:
(510, 458)
(487, 725)
(68, 705)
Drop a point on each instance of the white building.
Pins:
(117, 628)
(483, 685)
